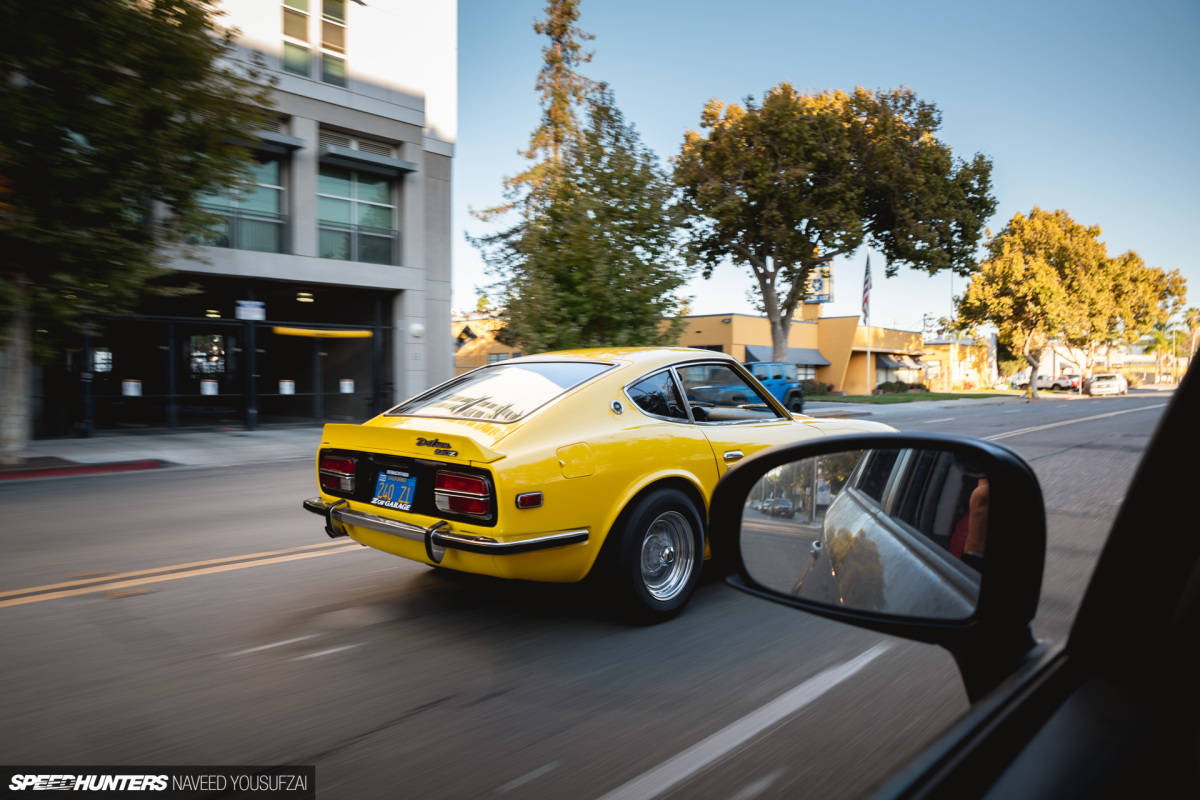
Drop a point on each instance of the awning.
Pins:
(317, 333)
(896, 361)
(366, 162)
(805, 356)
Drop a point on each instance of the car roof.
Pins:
(646, 357)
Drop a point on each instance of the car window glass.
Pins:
(776, 372)
(502, 393)
(719, 386)
(658, 395)
(789, 372)
(760, 372)
(874, 477)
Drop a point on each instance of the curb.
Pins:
(59, 470)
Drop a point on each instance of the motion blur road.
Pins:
(200, 616)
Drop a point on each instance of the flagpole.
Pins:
(867, 318)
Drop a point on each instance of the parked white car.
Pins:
(1108, 383)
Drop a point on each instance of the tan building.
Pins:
(475, 344)
(828, 349)
(955, 365)
(832, 350)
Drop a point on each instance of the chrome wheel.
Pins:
(668, 555)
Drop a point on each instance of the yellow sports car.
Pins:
(546, 467)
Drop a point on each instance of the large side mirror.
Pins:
(934, 538)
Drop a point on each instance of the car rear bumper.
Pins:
(439, 536)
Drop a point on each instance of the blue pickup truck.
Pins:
(781, 380)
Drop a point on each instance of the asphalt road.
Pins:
(249, 638)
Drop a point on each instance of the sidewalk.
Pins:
(123, 452)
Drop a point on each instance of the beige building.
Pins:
(954, 365)
(832, 350)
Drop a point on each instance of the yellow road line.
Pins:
(106, 577)
(104, 587)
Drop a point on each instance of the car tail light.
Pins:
(457, 493)
(337, 473)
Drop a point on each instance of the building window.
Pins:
(297, 56)
(356, 212)
(298, 38)
(333, 42)
(252, 213)
(496, 358)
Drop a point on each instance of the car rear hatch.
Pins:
(435, 468)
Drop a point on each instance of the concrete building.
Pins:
(325, 292)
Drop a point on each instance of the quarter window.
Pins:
(659, 396)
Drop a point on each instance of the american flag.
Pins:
(867, 289)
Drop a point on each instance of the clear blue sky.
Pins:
(1087, 106)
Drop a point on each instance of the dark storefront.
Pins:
(318, 354)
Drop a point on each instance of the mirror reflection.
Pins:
(899, 532)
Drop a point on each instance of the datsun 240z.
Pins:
(548, 467)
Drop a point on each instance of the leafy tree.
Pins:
(1049, 278)
(563, 91)
(1019, 286)
(108, 110)
(800, 179)
(597, 265)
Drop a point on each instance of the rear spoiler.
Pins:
(404, 441)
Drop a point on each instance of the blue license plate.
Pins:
(395, 489)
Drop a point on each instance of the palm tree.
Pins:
(1158, 344)
(1191, 320)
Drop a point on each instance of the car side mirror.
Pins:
(934, 538)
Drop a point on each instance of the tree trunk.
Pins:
(1035, 361)
(15, 379)
(780, 327)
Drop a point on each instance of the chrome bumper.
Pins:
(437, 537)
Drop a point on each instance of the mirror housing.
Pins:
(990, 643)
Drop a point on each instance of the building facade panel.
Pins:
(323, 293)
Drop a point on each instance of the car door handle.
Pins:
(732, 455)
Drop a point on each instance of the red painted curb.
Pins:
(78, 469)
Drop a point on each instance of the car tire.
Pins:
(796, 405)
(660, 550)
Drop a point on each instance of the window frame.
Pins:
(676, 382)
(743, 373)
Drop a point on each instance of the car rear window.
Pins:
(503, 393)
(1104, 378)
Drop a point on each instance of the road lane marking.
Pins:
(1014, 411)
(262, 647)
(105, 577)
(526, 778)
(702, 755)
(931, 421)
(330, 651)
(104, 587)
(759, 786)
(1037, 428)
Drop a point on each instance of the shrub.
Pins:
(813, 388)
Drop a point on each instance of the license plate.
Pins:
(395, 489)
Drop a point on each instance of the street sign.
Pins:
(253, 310)
(820, 285)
